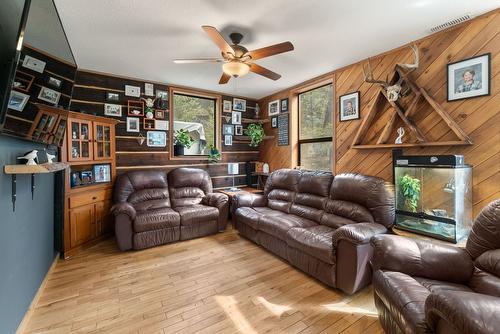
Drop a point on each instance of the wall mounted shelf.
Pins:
(444, 143)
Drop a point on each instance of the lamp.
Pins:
(232, 169)
(235, 68)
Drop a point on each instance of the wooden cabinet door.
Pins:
(102, 141)
(103, 217)
(80, 140)
(82, 224)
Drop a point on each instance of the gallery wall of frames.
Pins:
(142, 134)
(446, 59)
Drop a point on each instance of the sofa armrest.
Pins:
(124, 208)
(357, 233)
(464, 312)
(421, 258)
(246, 199)
(221, 202)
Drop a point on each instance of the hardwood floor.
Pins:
(217, 284)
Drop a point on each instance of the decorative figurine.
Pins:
(50, 157)
(399, 139)
(149, 111)
(30, 157)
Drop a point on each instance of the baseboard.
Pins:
(34, 302)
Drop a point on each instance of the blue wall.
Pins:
(26, 236)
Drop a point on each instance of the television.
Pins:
(13, 17)
(37, 74)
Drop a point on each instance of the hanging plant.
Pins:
(411, 191)
(182, 138)
(256, 133)
(213, 154)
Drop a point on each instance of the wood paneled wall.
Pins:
(89, 96)
(479, 117)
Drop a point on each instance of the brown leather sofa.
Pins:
(426, 287)
(154, 208)
(320, 223)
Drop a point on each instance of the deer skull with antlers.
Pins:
(393, 91)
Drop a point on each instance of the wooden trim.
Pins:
(50, 55)
(29, 312)
(444, 143)
(19, 119)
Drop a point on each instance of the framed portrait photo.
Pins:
(227, 106)
(236, 117)
(274, 122)
(284, 105)
(469, 78)
(133, 124)
(156, 138)
(273, 108)
(114, 110)
(102, 173)
(228, 129)
(238, 130)
(49, 95)
(349, 107)
(239, 104)
(228, 140)
(161, 99)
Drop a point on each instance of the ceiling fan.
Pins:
(237, 60)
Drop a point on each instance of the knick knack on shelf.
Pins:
(30, 158)
(399, 139)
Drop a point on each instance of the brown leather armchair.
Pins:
(153, 208)
(320, 223)
(426, 287)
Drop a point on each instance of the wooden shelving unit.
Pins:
(35, 169)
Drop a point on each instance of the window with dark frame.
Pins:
(197, 115)
(316, 128)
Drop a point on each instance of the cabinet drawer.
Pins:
(88, 198)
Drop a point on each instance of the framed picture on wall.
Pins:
(156, 139)
(273, 108)
(134, 91)
(133, 124)
(228, 140)
(284, 105)
(54, 82)
(49, 95)
(226, 106)
(349, 107)
(236, 117)
(238, 130)
(17, 101)
(112, 97)
(228, 129)
(102, 173)
(114, 110)
(239, 104)
(469, 78)
(161, 99)
(161, 125)
(274, 122)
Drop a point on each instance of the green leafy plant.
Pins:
(256, 133)
(411, 191)
(182, 137)
(213, 154)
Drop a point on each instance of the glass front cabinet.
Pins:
(434, 200)
(89, 140)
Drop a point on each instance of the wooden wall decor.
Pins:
(478, 117)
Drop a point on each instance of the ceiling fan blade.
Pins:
(264, 72)
(224, 79)
(200, 60)
(271, 50)
(217, 38)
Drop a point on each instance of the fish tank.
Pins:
(435, 201)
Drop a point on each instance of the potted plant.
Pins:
(182, 140)
(213, 154)
(410, 188)
(256, 133)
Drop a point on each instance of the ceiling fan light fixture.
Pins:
(236, 68)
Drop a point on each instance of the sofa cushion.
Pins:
(152, 204)
(404, 297)
(156, 219)
(195, 214)
(315, 241)
(278, 225)
(281, 187)
(435, 286)
(251, 216)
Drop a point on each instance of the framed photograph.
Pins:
(238, 130)
(86, 177)
(33, 64)
(228, 129)
(284, 105)
(112, 97)
(54, 82)
(161, 125)
(49, 95)
(236, 117)
(17, 100)
(228, 140)
(161, 99)
(274, 122)
(239, 104)
(469, 78)
(149, 89)
(148, 124)
(226, 106)
(102, 173)
(349, 106)
(75, 179)
(114, 110)
(134, 91)
(156, 139)
(132, 124)
(273, 108)
(159, 114)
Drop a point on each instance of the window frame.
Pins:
(196, 94)
(313, 140)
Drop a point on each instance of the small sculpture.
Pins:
(50, 157)
(399, 139)
(30, 157)
(149, 111)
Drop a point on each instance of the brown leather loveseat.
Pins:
(320, 223)
(154, 208)
(426, 287)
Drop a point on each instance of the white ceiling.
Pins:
(140, 38)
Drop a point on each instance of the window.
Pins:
(196, 115)
(315, 128)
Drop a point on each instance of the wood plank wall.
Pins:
(89, 96)
(479, 117)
